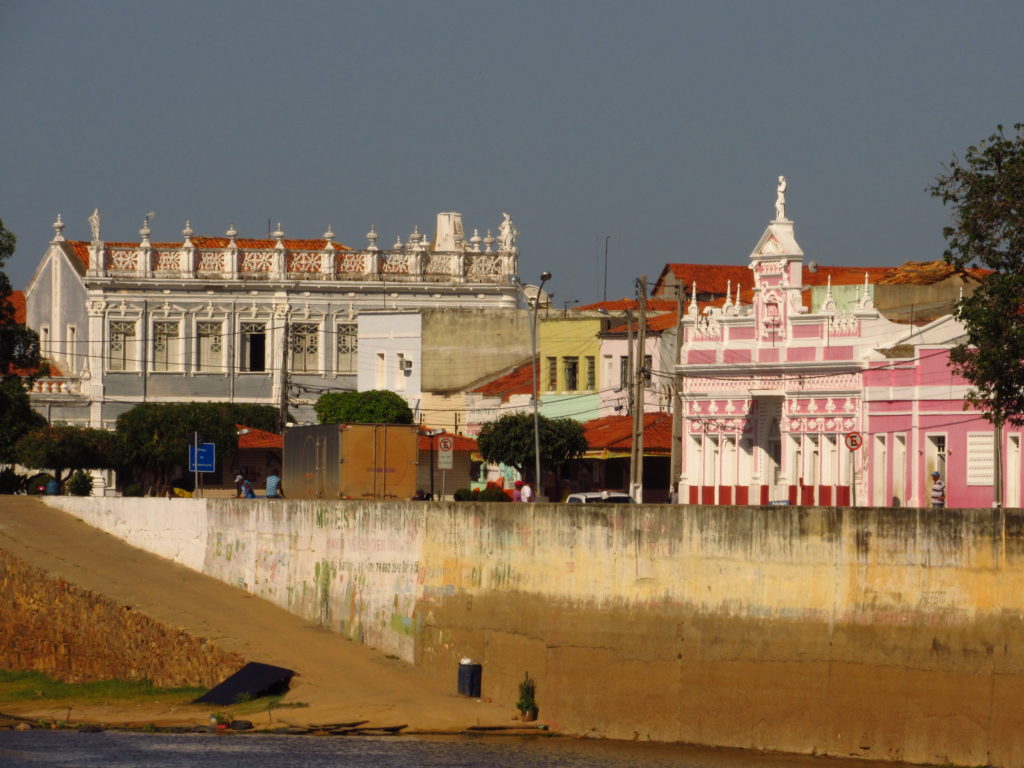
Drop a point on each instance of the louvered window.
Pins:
(979, 458)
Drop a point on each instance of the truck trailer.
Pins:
(350, 461)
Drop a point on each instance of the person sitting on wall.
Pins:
(274, 490)
(517, 492)
(239, 478)
(247, 491)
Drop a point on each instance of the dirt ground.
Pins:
(339, 680)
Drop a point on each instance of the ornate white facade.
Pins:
(237, 319)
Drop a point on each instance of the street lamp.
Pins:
(432, 433)
(544, 277)
(605, 294)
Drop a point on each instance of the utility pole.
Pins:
(636, 462)
(676, 460)
(628, 383)
(283, 418)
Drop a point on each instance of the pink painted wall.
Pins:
(797, 354)
(807, 331)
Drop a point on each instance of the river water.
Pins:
(113, 749)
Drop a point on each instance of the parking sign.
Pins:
(445, 447)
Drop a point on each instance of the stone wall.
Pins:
(882, 633)
(77, 636)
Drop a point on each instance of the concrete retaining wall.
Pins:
(881, 633)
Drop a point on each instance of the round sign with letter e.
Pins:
(854, 440)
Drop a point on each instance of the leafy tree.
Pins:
(153, 438)
(19, 361)
(375, 406)
(63, 448)
(986, 192)
(510, 441)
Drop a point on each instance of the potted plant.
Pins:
(527, 704)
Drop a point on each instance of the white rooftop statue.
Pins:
(780, 200)
(507, 235)
(94, 222)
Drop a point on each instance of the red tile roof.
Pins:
(461, 442)
(614, 434)
(17, 299)
(80, 251)
(246, 243)
(515, 382)
(710, 278)
(715, 278)
(250, 437)
(621, 305)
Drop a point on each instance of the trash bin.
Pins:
(469, 678)
(51, 487)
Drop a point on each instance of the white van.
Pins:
(600, 497)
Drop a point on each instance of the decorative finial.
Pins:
(693, 309)
(780, 200)
(728, 296)
(94, 224)
(475, 241)
(145, 231)
(329, 234)
(865, 301)
(58, 230)
(232, 233)
(488, 241)
(278, 234)
(187, 231)
(398, 243)
(371, 236)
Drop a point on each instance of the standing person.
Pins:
(938, 490)
(517, 492)
(274, 485)
(239, 478)
(526, 493)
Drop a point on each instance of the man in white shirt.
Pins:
(527, 492)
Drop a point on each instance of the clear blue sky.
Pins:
(664, 124)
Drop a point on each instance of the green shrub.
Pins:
(80, 484)
(135, 489)
(463, 494)
(493, 494)
(36, 484)
(11, 481)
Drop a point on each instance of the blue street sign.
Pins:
(206, 460)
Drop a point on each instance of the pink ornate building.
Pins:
(834, 407)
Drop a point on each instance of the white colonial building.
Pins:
(232, 319)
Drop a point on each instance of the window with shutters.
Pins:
(209, 346)
(165, 345)
(347, 347)
(979, 459)
(552, 374)
(591, 373)
(121, 349)
(304, 339)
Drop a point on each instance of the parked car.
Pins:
(600, 497)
